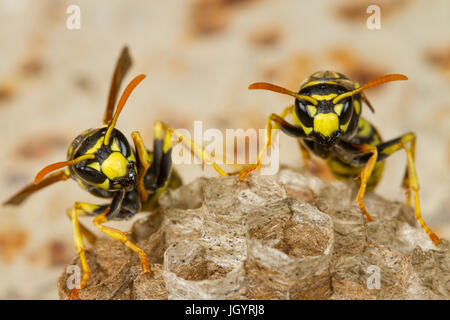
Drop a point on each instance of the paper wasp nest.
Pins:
(290, 236)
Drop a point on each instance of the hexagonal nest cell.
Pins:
(289, 236)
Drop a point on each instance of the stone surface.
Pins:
(290, 236)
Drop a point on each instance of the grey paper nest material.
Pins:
(291, 236)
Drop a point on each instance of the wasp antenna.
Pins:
(370, 84)
(58, 165)
(275, 88)
(384, 79)
(123, 99)
(363, 96)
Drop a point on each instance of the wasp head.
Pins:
(109, 166)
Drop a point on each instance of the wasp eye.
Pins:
(305, 112)
(344, 110)
(90, 174)
(122, 143)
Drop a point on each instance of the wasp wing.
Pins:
(123, 65)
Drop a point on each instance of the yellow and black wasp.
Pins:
(328, 123)
(103, 163)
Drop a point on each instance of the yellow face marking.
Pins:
(115, 166)
(326, 123)
(115, 146)
(324, 97)
(94, 165)
(297, 121)
(338, 108)
(97, 145)
(312, 110)
(357, 106)
(314, 82)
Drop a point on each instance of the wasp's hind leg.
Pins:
(410, 180)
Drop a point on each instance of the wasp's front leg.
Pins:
(81, 209)
(120, 205)
(280, 123)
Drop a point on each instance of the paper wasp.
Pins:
(103, 163)
(327, 122)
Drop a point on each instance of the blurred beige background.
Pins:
(200, 56)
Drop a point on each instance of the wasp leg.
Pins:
(406, 183)
(144, 164)
(194, 148)
(80, 208)
(410, 180)
(365, 175)
(162, 160)
(285, 126)
(122, 237)
(23, 194)
(87, 234)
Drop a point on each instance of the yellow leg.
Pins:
(413, 184)
(144, 164)
(193, 147)
(410, 137)
(79, 246)
(122, 237)
(278, 120)
(87, 234)
(267, 140)
(365, 175)
(410, 180)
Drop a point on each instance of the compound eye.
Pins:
(305, 112)
(344, 110)
(90, 174)
(123, 144)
